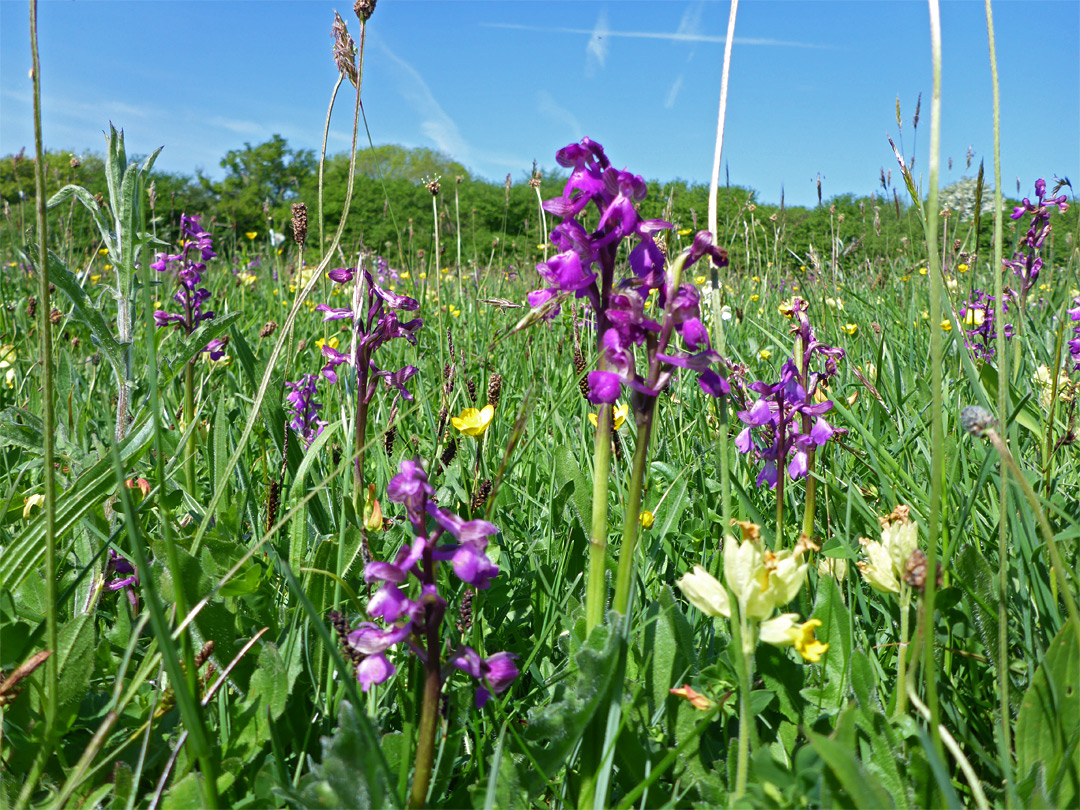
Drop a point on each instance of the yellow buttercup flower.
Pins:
(699, 280)
(974, 316)
(620, 416)
(333, 343)
(787, 308)
(423, 276)
(946, 325)
(473, 422)
(850, 328)
(404, 274)
(963, 268)
(755, 297)
(764, 354)
(905, 278)
(646, 518)
(95, 278)
(103, 252)
(251, 234)
(922, 271)
(685, 231)
(107, 268)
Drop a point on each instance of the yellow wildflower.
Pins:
(685, 231)
(834, 303)
(755, 297)
(787, 308)
(946, 325)
(962, 268)
(764, 354)
(473, 422)
(333, 343)
(922, 271)
(646, 518)
(103, 252)
(850, 328)
(95, 278)
(251, 234)
(620, 416)
(974, 317)
(107, 268)
(699, 280)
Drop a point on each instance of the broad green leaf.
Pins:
(567, 470)
(863, 789)
(349, 774)
(88, 201)
(193, 344)
(75, 658)
(1049, 719)
(87, 492)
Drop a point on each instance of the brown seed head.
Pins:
(299, 223)
(494, 390)
(268, 329)
(364, 9)
(344, 49)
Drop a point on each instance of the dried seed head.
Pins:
(579, 370)
(465, 614)
(956, 245)
(471, 385)
(449, 453)
(301, 345)
(876, 327)
(56, 316)
(432, 186)
(273, 493)
(31, 307)
(206, 651)
(915, 570)
(391, 432)
(299, 223)
(450, 342)
(494, 390)
(480, 497)
(268, 329)
(442, 422)
(344, 49)
(976, 420)
(364, 9)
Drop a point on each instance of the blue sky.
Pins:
(498, 84)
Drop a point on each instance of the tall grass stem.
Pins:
(715, 181)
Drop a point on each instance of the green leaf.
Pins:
(554, 730)
(88, 201)
(86, 493)
(1049, 720)
(75, 658)
(864, 790)
(835, 631)
(567, 470)
(193, 344)
(348, 775)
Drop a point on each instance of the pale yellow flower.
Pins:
(835, 567)
(974, 317)
(29, 503)
(885, 559)
(834, 303)
(785, 631)
(8, 356)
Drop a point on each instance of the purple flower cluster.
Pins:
(376, 327)
(787, 420)
(417, 621)
(305, 410)
(1074, 344)
(188, 265)
(585, 266)
(1026, 263)
(128, 579)
(978, 316)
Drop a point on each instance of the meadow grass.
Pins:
(191, 546)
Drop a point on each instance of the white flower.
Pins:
(885, 560)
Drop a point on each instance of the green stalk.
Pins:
(937, 423)
(457, 221)
(722, 420)
(715, 180)
(189, 416)
(900, 707)
(326, 134)
(746, 642)
(52, 673)
(596, 592)
(644, 419)
(429, 709)
(1002, 413)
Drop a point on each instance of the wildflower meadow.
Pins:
(583, 491)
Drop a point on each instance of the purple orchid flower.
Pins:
(416, 621)
(188, 265)
(1026, 263)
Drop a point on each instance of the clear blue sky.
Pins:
(498, 84)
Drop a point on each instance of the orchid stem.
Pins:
(597, 587)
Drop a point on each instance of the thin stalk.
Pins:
(52, 673)
(722, 419)
(429, 710)
(714, 184)
(746, 642)
(189, 415)
(457, 221)
(900, 707)
(937, 423)
(326, 134)
(596, 592)
(1002, 413)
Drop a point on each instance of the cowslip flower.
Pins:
(416, 620)
(473, 422)
(883, 568)
(762, 582)
(8, 356)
